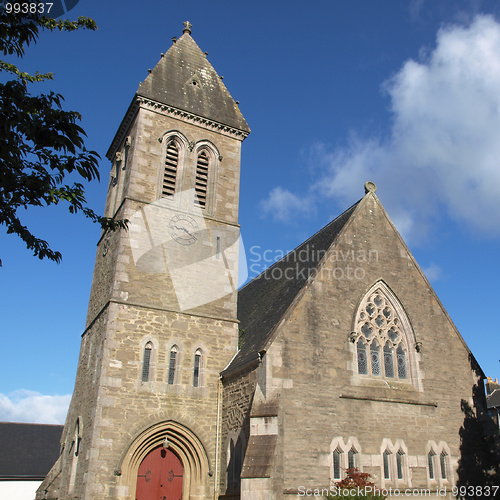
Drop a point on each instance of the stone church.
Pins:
(340, 355)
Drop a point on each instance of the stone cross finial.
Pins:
(187, 27)
(370, 187)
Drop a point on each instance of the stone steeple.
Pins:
(184, 79)
(161, 322)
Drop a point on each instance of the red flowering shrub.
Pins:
(355, 486)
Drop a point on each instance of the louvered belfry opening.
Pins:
(201, 179)
(170, 173)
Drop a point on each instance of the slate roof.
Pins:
(263, 302)
(28, 451)
(493, 400)
(184, 79)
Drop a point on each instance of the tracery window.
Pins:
(381, 329)
(388, 360)
(401, 355)
(362, 361)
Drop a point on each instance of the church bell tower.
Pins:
(144, 420)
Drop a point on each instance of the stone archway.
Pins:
(183, 443)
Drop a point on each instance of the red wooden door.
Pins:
(159, 476)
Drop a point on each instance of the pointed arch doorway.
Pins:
(183, 444)
(160, 476)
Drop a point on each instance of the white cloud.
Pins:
(284, 206)
(32, 407)
(432, 272)
(443, 149)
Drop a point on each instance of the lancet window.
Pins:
(394, 462)
(442, 463)
(172, 366)
(171, 168)
(196, 369)
(201, 186)
(146, 361)
(343, 456)
(438, 463)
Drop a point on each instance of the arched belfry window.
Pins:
(170, 172)
(201, 186)
(207, 159)
(383, 336)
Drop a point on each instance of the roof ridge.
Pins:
(300, 244)
(265, 300)
(31, 423)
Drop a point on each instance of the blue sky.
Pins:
(336, 92)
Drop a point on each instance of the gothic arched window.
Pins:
(172, 366)
(399, 463)
(343, 456)
(438, 464)
(146, 361)
(430, 464)
(394, 462)
(387, 465)
(201, 185)
(171, 168)
(383, 330)
(196, 370)
(337, 454)
(442, 462)
(351, 458)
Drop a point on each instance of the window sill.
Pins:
(388, 400)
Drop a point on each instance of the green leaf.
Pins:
(41, 142)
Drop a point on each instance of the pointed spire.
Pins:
(184, 79)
